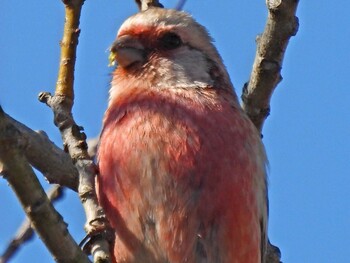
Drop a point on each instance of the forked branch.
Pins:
(44, 218)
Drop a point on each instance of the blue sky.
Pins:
(306, 135)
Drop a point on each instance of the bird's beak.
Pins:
(126, 51)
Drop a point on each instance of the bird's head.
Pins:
(165, 48)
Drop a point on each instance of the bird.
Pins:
(182, 169)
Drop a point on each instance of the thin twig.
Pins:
(47, 222)
(271, 45)
(74, 139)
(25, 232)
(65, 80)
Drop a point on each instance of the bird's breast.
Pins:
(169, 164)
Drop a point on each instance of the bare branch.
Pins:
(271, 46)
(96, 225)
(44, 155)
(44, 218)
(266, 73)
(74, 139)
(25, 232)
(145, 4)
(65, 81)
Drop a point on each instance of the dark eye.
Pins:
(170, 41)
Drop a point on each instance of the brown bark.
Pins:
(74, 139)
(47, 222)
(271, 46)
(25, 232)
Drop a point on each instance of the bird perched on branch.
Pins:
(182, 168)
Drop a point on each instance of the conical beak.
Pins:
(126, 51)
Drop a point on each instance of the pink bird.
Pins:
(182, 168)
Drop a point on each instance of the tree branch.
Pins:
(271, 46)
(44, 218)
(96, 226)
(74, 139)
(25, 232)
(44, 155)
(65, 81)
(281, 25)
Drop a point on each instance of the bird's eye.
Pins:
(170, 41)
